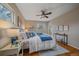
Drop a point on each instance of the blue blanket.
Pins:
(45, 37)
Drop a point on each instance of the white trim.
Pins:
(11, 10)
(9, 7)
(73, 46)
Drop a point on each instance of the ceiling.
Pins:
(30, 10)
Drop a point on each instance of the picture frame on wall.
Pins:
(60, 27)
(66, 28)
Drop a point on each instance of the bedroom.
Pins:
(38, 29)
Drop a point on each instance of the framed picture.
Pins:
(57, 28)
(61, 28)
(66, 28)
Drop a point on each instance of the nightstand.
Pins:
(10, 50)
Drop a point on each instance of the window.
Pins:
(5, 13)
(8, 14)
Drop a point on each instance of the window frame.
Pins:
(13, 14)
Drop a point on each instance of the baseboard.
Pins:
(73, 46)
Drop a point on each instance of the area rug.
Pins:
(53, 52)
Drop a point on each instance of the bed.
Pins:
(39, 41)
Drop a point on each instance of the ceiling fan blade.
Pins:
(48, 13)
(46, 16)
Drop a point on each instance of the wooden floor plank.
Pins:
(73, 51)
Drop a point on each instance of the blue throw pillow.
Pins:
(33, 34)
(30, 34)
(39, 33)
(13, 40)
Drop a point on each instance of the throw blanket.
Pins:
(35, 44)
(45, 37)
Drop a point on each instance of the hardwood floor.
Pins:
(73, 51)
(26, 53)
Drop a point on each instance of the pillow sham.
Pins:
(39, 33)
(30, 34)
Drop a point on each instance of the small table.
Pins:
(65, 38)
(10, 50)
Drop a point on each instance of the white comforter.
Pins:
(35, 44)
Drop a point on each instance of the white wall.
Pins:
(72, 19)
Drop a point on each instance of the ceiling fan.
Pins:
(44, 14)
